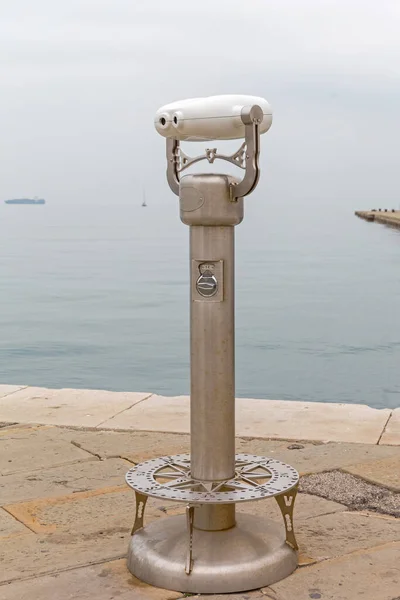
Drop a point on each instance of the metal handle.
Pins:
(245, 158)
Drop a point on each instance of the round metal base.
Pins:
(251, 555)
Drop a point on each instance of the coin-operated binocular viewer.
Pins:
(211, 549)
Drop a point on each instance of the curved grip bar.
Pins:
(246, 157)
(173, 149)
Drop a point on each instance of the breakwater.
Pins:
(387, 217)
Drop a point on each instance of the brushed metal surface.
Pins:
(214, 518)
(216, 208)
(212, 389)
(212, 339)
(191, 199)
(170, 478)
(251, 555)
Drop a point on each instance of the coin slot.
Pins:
(206, 284)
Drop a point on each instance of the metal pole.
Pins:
(212, 338)
(212, 335)
(212, 404)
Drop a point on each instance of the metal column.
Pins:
(212, 337)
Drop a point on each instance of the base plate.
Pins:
(251, 555)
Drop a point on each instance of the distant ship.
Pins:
(144, 199)
(26, 201)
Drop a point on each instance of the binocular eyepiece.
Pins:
(212, 118)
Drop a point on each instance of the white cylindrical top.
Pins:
(211, 118)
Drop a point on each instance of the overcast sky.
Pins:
(80, 81)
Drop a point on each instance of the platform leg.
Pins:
(189, 524)
(141, 500)
(286, 504)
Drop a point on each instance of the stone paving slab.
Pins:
(148, 412)
(5, 390)
(385, 471)
(391, 434)
(104, 581)
(265, 419)
(309, 457)
(83, 408)
(96, 511)
(73, 530)
(34, 555)
(368, 575)
(310, 421)
(59, 481)
(333, 535)
(330, 580)
(10, 526)
(252, 595)
(157, 413)
(32, 448)
(135, 446)
(306, 457)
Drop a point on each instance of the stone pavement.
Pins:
(66, 513)
(126, 411)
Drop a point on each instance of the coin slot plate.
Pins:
(205, 267)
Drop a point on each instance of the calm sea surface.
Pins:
(97, 297)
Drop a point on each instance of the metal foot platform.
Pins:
(173, 553)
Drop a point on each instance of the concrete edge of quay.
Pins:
(145, 411)
(386, 217)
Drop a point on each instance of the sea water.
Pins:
(97, 296)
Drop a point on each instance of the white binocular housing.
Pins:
(211, 118)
